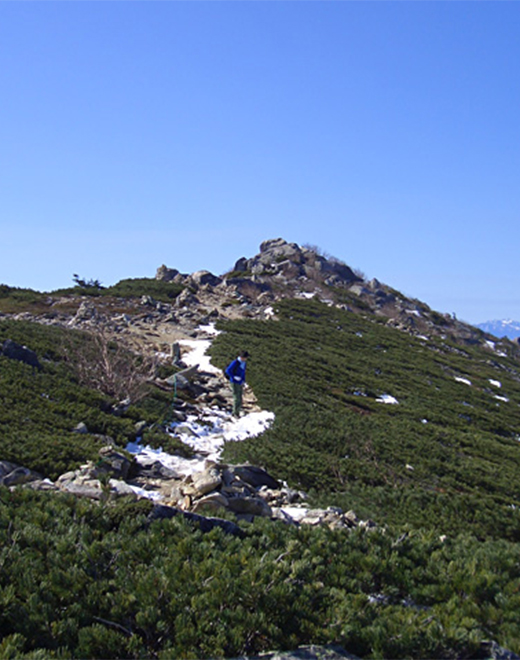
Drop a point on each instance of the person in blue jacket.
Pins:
(236, 373)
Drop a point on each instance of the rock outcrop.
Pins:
(14, 351)
(247, 491)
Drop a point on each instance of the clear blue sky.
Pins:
(134, 134)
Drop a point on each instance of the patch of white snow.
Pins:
(294, 512)
(206, 435)
(462, 380)
(495, 383)
(196, 354)
(209, 329)
(387, 398)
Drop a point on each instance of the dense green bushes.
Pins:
(40, 410)
(88, 580)
(322, 370)
(129, 288)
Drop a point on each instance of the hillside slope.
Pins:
(382, 405)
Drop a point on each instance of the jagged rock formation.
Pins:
(285, 270)
(251, 290)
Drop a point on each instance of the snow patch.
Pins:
(387, 398)
(462, 380)
(495, 383)
(197, 354)
(205, 434)
(209, 329)
(501, 398)
(294, 512)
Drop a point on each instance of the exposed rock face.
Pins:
(204, 277)
(166, 274)
(288, 261)
(280, 270)
(15, 475)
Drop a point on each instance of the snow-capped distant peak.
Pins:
(502, 328)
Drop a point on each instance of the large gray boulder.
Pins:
(14, 351)
(166, 274)
(204, 277)
(254, 476)
(201, 483)
(12, 474)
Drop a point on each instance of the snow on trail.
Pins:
(207, 431)
(197, 354)
(205, 434)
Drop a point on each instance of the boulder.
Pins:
(86, 312)
(153, 469)
(91, 490)
(186, 298)
(14, 351)
(250, 505)
(18, 475)
(241, 265)
(254, 476)
(278, 248)
(6, 467)
(121, 488)
(203, 277)
(201, 483)
(161, 512)
(212, 501)
(113, 462)
(166, 274)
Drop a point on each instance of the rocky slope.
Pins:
(250, 290)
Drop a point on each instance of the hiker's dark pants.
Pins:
(237, 397)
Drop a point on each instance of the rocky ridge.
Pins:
(251, 290)
(165, 330)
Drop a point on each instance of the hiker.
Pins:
(236, 372)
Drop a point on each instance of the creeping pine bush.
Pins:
(38, 411)
(84, 579)
(446, 455)
(128, 288)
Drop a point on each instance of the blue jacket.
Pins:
(236, 371)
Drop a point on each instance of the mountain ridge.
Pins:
(501, 328)
(382, 406)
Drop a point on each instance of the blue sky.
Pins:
(140, 133)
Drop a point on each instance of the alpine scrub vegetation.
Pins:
(446, 455)
(437, 471)
(39, 411)
(80, 580)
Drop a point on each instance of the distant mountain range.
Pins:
(503, 328)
